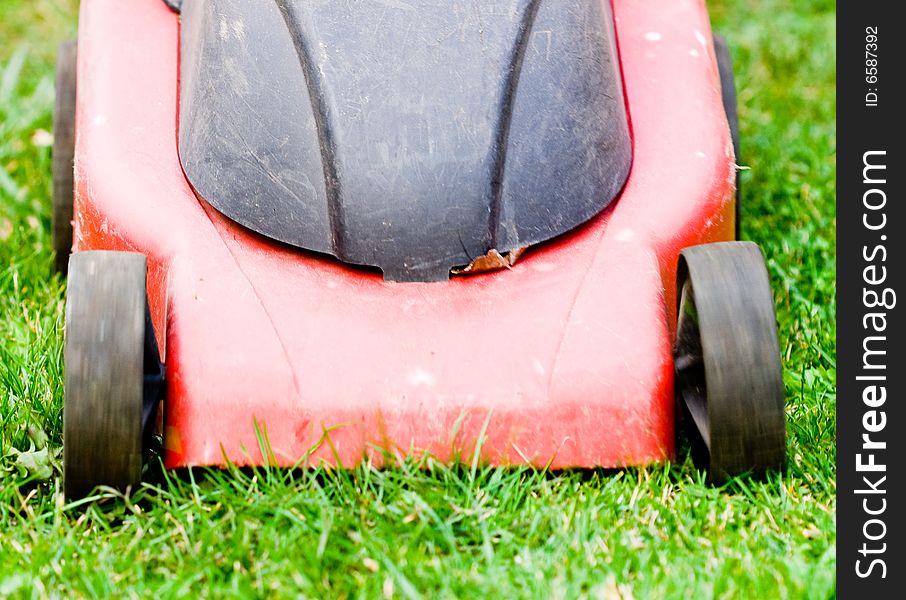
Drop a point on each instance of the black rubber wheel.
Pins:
(63, 154)
(104, 372)
(729, 382)
(728, 96)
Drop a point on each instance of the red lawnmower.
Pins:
(361, 230)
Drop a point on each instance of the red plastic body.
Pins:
(563, 360)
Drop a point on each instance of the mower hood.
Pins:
(410, 135)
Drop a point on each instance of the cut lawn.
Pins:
(422, 529)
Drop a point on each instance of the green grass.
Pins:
(440, 530)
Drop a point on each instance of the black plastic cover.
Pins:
(410, 135)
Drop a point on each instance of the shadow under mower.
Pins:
(355, 229)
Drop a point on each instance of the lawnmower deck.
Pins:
(565, 359)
